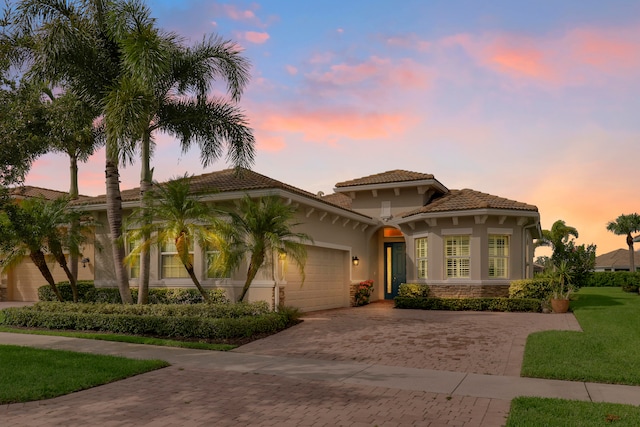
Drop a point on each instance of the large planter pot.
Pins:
(560, 305)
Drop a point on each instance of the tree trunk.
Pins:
(114, 216)
(182, 247)
(145, 256)
(38, 259)
(256, 262)
(75, 224)
(632, 255)
(62, 261)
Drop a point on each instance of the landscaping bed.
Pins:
(220, 323)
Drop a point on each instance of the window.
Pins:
(421, 257)
(498, 256)
(457, 253)
(134, 268)
(170, 265)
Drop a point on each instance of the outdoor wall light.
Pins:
(85, 261)
(355, 260)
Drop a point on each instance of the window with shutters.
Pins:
(499, 256)
(421, 257)
(457, 254)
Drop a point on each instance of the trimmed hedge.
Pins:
(87, 292)
(614, 278)
(413, 290)
(177, 321)
(471, 304)
(538, 288)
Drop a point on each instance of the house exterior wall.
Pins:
(23, 280)
(407, 199)
(336, 238)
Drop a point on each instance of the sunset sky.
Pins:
(536, 101)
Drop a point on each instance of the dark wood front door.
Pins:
(395, 268)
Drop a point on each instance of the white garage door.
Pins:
(326, 284)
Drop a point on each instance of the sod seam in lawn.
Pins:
(606, 350)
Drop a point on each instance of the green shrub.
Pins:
(539, 288)
(614, 278)
(413, 290)
(471, 304)
(202, 321)
(87, 292)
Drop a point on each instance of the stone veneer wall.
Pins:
(468, 291)
(281, 296)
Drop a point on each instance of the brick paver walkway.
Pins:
(189, 395)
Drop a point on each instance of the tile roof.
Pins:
(223, 181)
(339, 199)
(466, 199)
(397, 175)
(618, 259)
(28, 191)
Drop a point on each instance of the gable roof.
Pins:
(28, 192)
(618, 258)
(467, 199)
(388, 177)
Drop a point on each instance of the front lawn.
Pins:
(33, 374)
(606, 352)
(534, 411)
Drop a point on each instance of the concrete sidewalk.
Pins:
(392, 377)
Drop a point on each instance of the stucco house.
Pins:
(393, 227)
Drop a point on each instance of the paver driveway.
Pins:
(201, 394)
(474, 342)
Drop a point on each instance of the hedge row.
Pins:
(87, 292)
(538, 288)
(173, 310)
(413, 290)
(613, 278)
(153, 325)
(470, 304)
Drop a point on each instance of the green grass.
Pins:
(534, 411)
(33, 374)
(607, 350)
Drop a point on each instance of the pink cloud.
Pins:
(330, 126)
(578, 56)
(237, 14)
(255, 37)
(291, 70)
(383, 72)
(266, 141)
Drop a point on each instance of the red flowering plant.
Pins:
(363, 292)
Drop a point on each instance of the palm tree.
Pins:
(37, 226)
(209, 122)
(625, 225)
(260, 227)
(111, 54)
(180, 217)
(557, 237)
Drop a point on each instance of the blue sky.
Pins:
(537, 101)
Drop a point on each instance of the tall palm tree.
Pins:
(37, 226)
(111, 54)
(169, 107)
(180, 217)
(260, 227)
(625, 225)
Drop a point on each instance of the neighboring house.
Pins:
(400, 226)
(21, 282)
(617, 260)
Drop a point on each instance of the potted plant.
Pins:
(561, 287)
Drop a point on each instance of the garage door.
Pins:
(326, 284)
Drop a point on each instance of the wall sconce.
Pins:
(85, 261)
(355, 260)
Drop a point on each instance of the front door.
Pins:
(395, 268)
